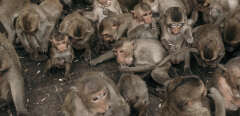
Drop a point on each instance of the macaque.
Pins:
(34, 26)
(177, 35)
(9, 9)
(61, 53)
(112, 28)
(135, 92)
(11, 80)
(228, 82)
(187, 96)
(143, 55)
(79, 31)
(219, 10)
(102, 9)
(154, 4)
(232, 32)
(95, 94)
(128, 5)
(208, 41)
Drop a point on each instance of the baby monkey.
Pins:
(61, 53)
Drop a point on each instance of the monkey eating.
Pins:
(79, 31)
(34, 25)
(187, 96)
(61, 53)
(228, 82)
(208, 41)
(95, 94)
(129, 86)
(11, 80)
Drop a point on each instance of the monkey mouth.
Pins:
(108, 37)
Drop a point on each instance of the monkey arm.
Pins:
(139, 68)
(91, 15)
(5, 64)
(219, 102)
(123, 26)
(106, 56)
(87, 36)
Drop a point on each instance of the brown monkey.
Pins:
(177, 35)
(228, 83)
(34, 25)
(135, 92)
(79, 30)
(143, 55)
(187, 96)
(138, 25)
(61, 53)
(9, 10)
(102, 9)
(232, 31)
(208, 41)
(11, 80)
(154, 4)
(95, 94)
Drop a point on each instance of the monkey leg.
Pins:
(26, 44)
(48, 66)
(106, 56)
(187, 69)
(219, 102)
(67, 69)
(160, 74)
(36, 56)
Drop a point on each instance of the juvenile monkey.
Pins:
(154, 4)
(61, 53)
(187, 96)
(79, 30)
(228, 82)
(208, 41)
(34, 25)
(102, 9)
(135, 92)
(95, 94)
(11, 80)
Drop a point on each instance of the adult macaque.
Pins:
(228, 83)
(61, 53)
(177, 35)
(95, 94)
(187, 96)
(143, 55)
(8, 10)
(11, 80)
(34, 25)
(208, 41)
(219, 10)
(102, 9)
(232, 31)
(135, 92)
(79, 31)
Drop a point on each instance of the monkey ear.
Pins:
(133, 13)
(114, 50)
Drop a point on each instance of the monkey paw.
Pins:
(214, 94)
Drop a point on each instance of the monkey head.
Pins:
(175, 20)
(95, 94)
(215, 11)
(60, 41)
(185, 92)
(105, 3)
(143, 13)
(109, 27)
(124, 51)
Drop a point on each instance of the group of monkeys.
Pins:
(146, 37)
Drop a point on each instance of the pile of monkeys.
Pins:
(146, 37)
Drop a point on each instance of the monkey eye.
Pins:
(95, 99)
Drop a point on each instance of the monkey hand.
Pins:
(94, 62)
(215, 95)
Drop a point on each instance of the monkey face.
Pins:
(124, 54)
(109, 27)
(147, 17)
(215, 11)
(175, 28)
(99, 101)
(105, 3)
(61, 45)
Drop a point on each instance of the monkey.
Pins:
(61, 53)
(80, 30)
(95, 94)
(227, 82)
(11, 79)
(34, 26)
(128, 5)
(143, 55)
(9, 10)
(129, 86)
(187, 96)
(102, 9)
(231, 32)
(113, 29)
(208, 41)
(177, 34)
(154, 4)
(219, 10)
